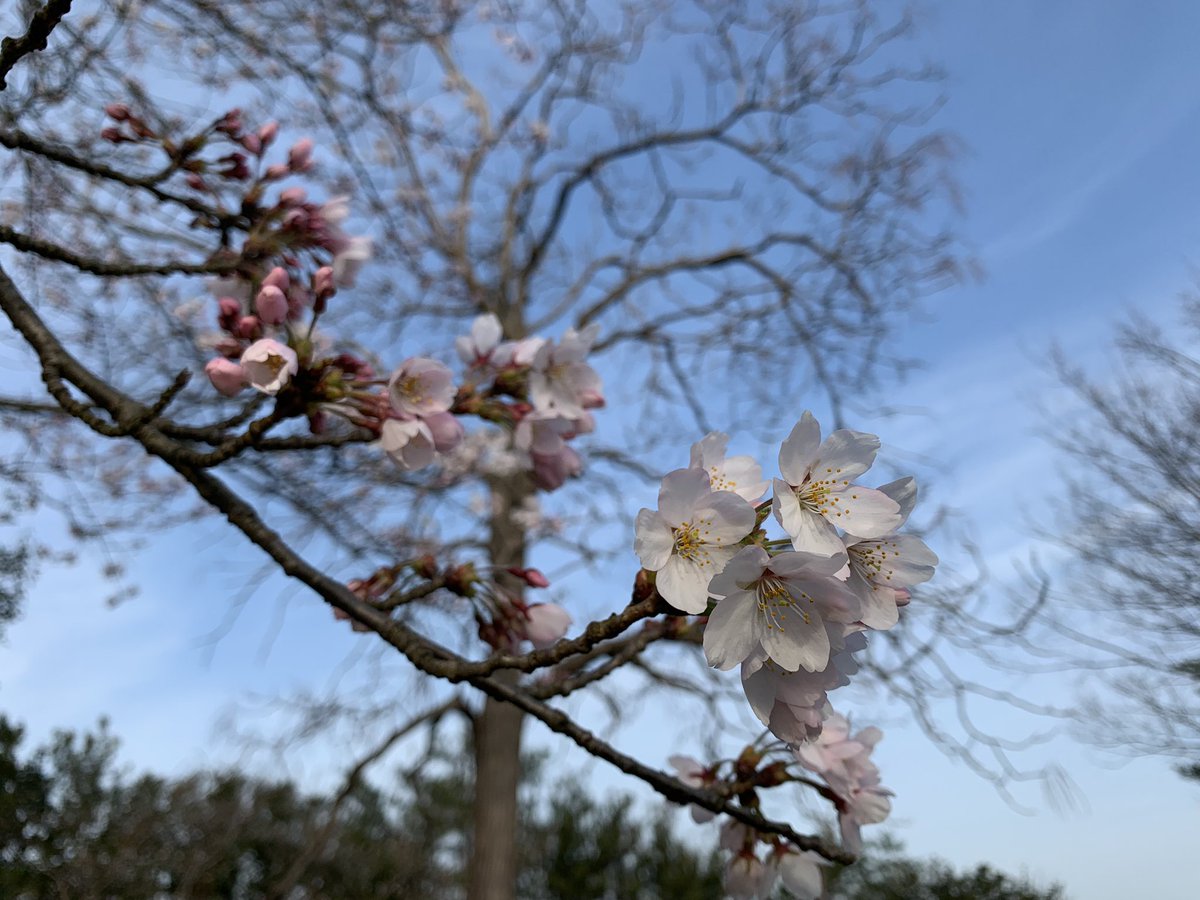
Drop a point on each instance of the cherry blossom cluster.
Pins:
(790, 612)
(850, 781)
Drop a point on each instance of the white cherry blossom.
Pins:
(561, 381)
(408, 442)
(691, 537)
(269, 365)
(780, 605)
(477, 348)
(739, 474)
(421, 387)
(817, 491)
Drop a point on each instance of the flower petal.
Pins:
(799, 449)
(846, 453)
(653, 540)
(681, 491)
(797, 642)
(729, 637)
(867, 512)
(684, 585)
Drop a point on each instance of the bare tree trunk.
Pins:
(497, 733)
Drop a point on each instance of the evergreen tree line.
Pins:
(74, 824)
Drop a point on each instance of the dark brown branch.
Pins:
(44, 21)
(48, 250)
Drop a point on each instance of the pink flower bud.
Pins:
(226, 376)
(532, 577)
(195, 182)
(112, 134)
(547, 623)
(323, 285)
(447, 431)
(229, 311)
(117, 111)
(590, 398)
(300, 156)
(277, 277)
(267, 133)
(293, 196)
(271, 305)
(276, 171)
(248, 327)
(252, 143)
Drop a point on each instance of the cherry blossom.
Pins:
(421, 387)
(561, 382)
(477, 348)
(780, 604)
(546, 623)
(408, 442)
(817, 490)
(695, 774)
(691, 537)
(269, 365)
(739, 474)
(882, 570)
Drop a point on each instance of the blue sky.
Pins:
(1081, 130)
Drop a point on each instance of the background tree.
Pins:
(1132, 524)
(788, 204)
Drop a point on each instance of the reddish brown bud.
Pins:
(425, 567)
(462, 579)
(117, 111)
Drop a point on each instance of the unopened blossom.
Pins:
(691, 537)
(817, 493)
(518, 353)
(545, 623)
(739, 474)
(561, 381)
(780, 604)
(551, 470)
(476, 348)
(226, 376)
(300, 155)
(421, 387)
(447, 431)
(882, 570)
(271, 304)
(408, 442)
(269, 365)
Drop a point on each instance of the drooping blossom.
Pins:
(800, 872)
(226, 376)
(691, 537)
(551, 471)
(780, 604)
(845, 764)
(793, 705)
(269, 365)
(421, 387)
(882, 570)
(748, 878)
(817, 491)
(408, 442)
(695, 774)
(561, 382)
(477, 348)
(545, 623)
(739, 474)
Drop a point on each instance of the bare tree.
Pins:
(1132, 524)
(722, 188)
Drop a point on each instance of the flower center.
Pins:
(822, 495)
(688, 542)
(775, 599)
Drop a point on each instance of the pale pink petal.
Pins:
(801, 875)
(684, 585)
(845, 454)
(680, 493)
(799, 449)
(729, 636)
(795, 643)
(866, 512)
(653, 540)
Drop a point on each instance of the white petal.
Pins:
(729, 635)
(846, 454)
(684, 585)
(904, 492)
(728, 518)
(653, 540)
(681, 491)
(799, 449)
(878, 605)
(745, 568)
(709, 450)
(797, 644)
(801, 875)
(866, 512)
(759, 686)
